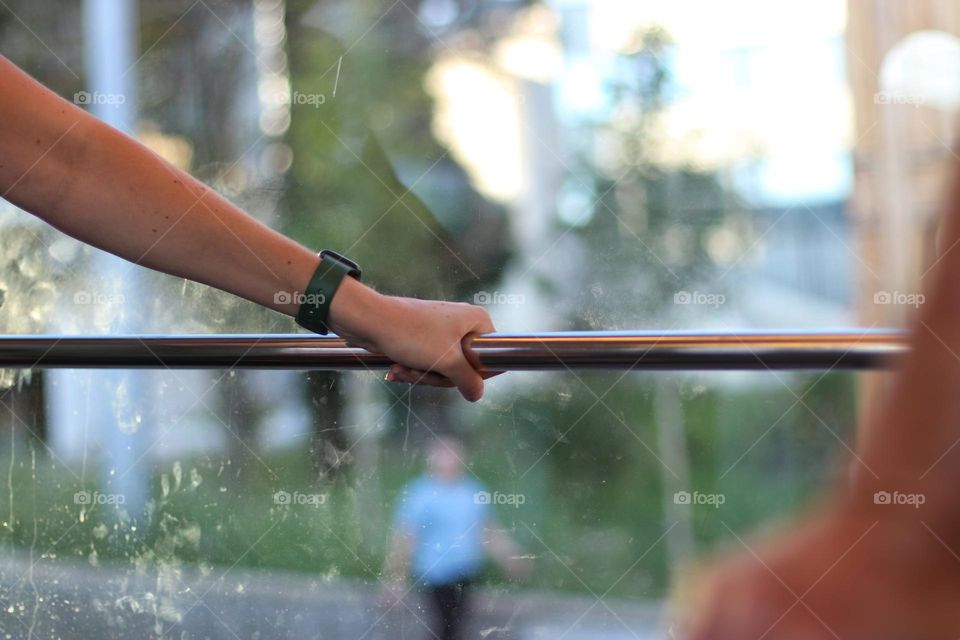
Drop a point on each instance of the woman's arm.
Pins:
(104, 188)
(866, 563)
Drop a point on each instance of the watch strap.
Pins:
(315, 304)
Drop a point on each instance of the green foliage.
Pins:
(344, 191)
(593, 504)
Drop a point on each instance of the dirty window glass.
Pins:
(567, 164)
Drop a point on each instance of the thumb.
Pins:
(467, 379)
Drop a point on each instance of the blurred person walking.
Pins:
(444, 530)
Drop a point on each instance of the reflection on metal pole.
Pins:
(496, 351)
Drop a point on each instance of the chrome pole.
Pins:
(496, 351)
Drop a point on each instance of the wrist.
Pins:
(285, 293)
(357, 312)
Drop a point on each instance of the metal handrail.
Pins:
(496, 351)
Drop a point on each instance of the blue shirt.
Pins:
(446, 521)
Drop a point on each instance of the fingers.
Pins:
(463, 376)
(467, 379)
(482, 324)
(459, 366)
(467, 372)
(400, 373)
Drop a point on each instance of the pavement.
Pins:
(68, 598)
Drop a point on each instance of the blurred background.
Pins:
(568, 164)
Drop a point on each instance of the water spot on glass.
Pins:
(195, 478)
(128, 418)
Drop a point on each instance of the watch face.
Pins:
(354, 267)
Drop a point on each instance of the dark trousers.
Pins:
(449, 602)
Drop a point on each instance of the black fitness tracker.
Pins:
(315, 303)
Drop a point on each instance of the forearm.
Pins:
(164, 219)
(107, 190)
(910, 443)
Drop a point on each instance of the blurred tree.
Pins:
(349, 148)
(360, 119)
(325, 397)
(646, 238)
